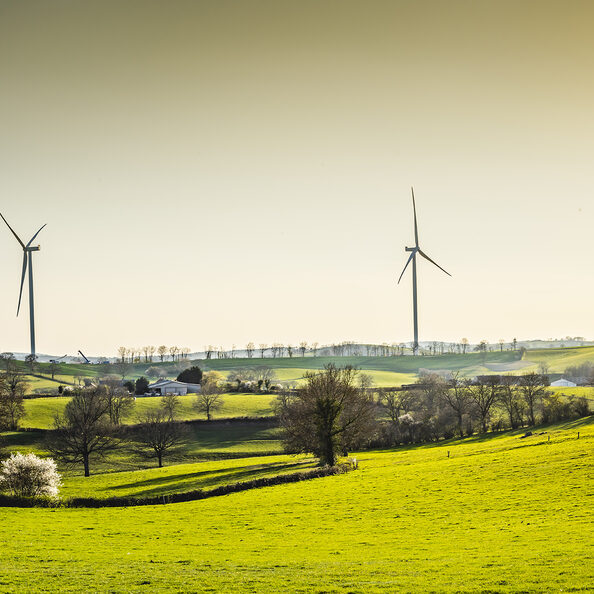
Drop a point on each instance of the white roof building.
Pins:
(563, 383)
(165, 386)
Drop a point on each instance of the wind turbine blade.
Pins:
(34, 236)
(13, 232)
(415, 214)
(412, 255)
(432, 262)
(22, 280)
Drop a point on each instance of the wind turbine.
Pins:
(413, 257)
(27, 262)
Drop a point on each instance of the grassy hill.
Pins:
(385, 371)
(501, 514)
(182, 477)
(40, 412)
(559, 359)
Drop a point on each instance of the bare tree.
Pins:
(7, 360)
(396, 403)
(511, 401)
(119, 401)
(249, 349)
(210, 397)
(484, 393)
(263, 349)
(158, 433)
(264, 376)
(464, 343)
(458, 399)
(31, 361)
(170, 405)
(12, 391)
(303, 348)
(122, 352)
(161, 351)
(314, 348)
(330, 414)
(365, 381)
(543, 368)
(83, 430)
(241, 375)
(532, 389)
(173, 350)
(54, 367)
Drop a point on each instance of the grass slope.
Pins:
(559, 359)
(502, 514)
(182, 477)
(40, 412)
(203, 441)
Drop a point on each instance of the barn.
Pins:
(563, 383)
(165, 386)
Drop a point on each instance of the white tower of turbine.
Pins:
(413, 257)
(27, 263)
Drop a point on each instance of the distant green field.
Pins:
(559, 359)
(40, 412)
(386, 371)
(181, 477)
(501, 514)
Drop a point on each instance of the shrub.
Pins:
(141, 386)
(26, 475)
(193, 375)
(580, 406)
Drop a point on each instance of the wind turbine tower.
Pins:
(27, 263)
(413, 257)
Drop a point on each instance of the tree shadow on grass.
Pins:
(205, 479)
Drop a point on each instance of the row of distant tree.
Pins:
(277, 350)
(342, 349)
(353, 349)
(150, 353)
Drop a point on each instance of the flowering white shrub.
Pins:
(27, 475)
(407, 419)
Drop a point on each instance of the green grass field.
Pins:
(202, 441)
(501, 514)
(40, 412)
(181, 477)
(559, 359)
(385, 371)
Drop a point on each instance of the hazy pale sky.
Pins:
(220, 172)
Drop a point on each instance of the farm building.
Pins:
(563, 383)
(165, 386)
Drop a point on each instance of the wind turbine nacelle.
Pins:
(407, 249)
(34, 248)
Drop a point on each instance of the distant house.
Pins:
(563, 383)
(165, 386)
